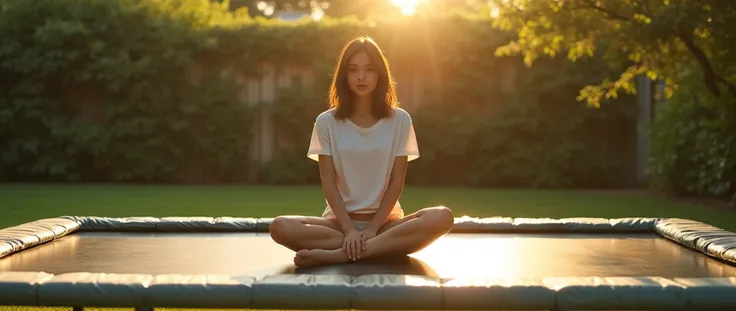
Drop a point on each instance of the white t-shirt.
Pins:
(363, 157)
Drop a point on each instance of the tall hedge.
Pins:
(694, 142)
(100, 90)
(104, 91)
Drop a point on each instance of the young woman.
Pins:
(362, 144)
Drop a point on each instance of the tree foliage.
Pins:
(658, 38)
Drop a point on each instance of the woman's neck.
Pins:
(362, 106)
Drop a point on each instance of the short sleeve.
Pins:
(319, 144)
(407, 139)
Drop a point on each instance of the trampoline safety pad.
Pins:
(669, 264)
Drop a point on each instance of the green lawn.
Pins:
(25, 202)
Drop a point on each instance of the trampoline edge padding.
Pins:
(712, 241)
(705, 238)
(461, 224)
(21, 237)
(28, 235)
(365, 292)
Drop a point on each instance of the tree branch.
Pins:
(709, 76)
(731, 87)
(613, 15)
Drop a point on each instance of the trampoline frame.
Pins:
(144, 291)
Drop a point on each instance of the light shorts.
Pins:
(360, 225)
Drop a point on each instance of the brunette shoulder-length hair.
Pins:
(340, 95)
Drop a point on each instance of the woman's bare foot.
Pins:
(319, 257)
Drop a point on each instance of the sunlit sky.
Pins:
(407, 6)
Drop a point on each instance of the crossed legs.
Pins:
(318, 241)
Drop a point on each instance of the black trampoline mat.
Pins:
(455, 255)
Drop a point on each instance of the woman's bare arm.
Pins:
(332, 194)
(392, 194)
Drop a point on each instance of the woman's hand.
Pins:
(366, 235)
(352, 244)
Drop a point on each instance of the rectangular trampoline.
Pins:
(483, 264)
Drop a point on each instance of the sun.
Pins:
(407, 7)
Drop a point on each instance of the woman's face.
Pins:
(362, 77)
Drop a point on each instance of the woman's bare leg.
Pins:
(400, 237)
(306, 232)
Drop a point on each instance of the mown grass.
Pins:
(28, 202)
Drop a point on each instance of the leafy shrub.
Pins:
(101, 90)
(694, 143)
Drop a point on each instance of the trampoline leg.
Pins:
(77, 308)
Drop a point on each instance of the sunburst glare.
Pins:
(407, 7)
